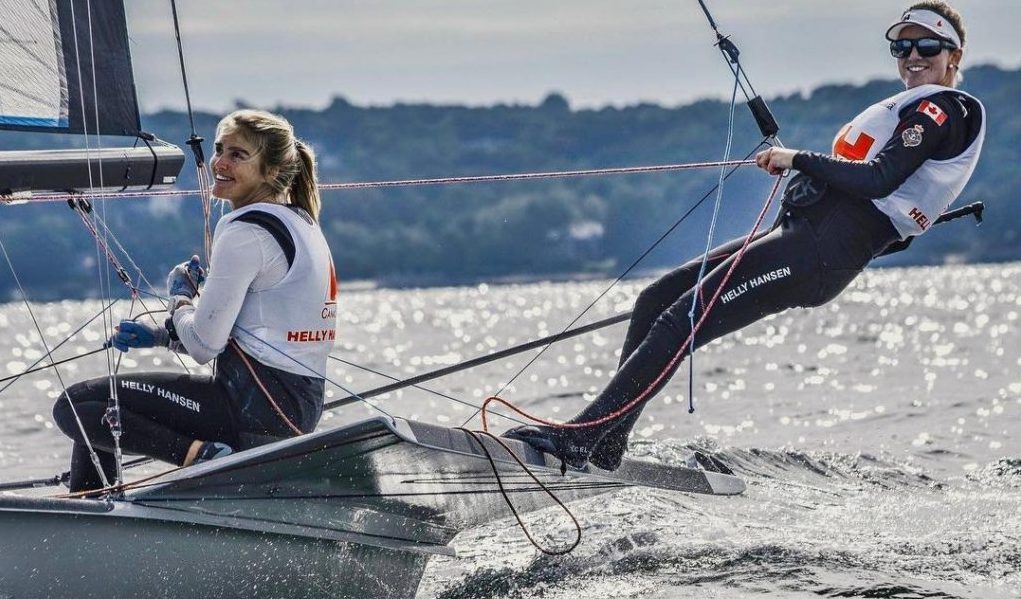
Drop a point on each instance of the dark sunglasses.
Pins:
(927, 47)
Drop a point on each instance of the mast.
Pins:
(763, 116)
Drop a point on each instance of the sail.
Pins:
(57, 57)
(65, 68)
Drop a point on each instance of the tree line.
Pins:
(546, 228)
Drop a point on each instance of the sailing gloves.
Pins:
(183, 283)
(131, 335)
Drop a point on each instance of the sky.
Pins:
(303, 53)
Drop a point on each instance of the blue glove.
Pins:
(130, 334)
(185, 278)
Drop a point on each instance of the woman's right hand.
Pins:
(775, 160)
(185, 279)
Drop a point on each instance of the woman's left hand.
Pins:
(775, 160)
(130, 334)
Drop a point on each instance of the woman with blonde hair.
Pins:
(266, 313)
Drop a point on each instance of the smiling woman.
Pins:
(267, 313)
(921, 59)
(840, 211)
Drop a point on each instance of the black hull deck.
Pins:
(350, 512)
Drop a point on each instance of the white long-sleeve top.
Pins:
(245, 258)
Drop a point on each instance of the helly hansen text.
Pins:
(184, 402)
(312, 336)
(774, 275)
(921, 219)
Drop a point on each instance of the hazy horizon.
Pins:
(596, 53)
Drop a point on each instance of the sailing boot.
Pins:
(641, 374)
(210, 450)
(557, 442)
(609, 454)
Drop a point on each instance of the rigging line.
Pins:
(621, 276)
(13, 379)
(83, 209)
(150, 313)
(113, 413)
(697, 289)
(184, 71)
(419, 387)
(104, 277)
(313, 371)
(729, 51)
(92, 226)
(477, 361)
(760, 110)
(528, 176)
(109, 234)
(627, 170)
(88, 163)
(49, 354)
(676, 357)
(503, 492)
(195, 143)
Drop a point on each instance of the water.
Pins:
(879, 435)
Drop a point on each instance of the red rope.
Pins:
(90, 226)
(670, 365)
(629, 170)
(265, 391)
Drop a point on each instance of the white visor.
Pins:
(928, 19)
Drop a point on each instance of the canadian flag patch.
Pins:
(934, 112)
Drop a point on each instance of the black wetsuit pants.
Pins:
(806, 260)
(162, 413)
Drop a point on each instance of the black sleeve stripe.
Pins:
(275, 227)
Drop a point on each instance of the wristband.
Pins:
(171, 329)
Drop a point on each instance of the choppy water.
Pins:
(879, 435)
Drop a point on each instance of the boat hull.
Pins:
(60, 551)
(350, 512)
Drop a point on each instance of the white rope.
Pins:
(697, 289)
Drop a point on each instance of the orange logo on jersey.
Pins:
(331, 294)
(859, 150)
(330, 301)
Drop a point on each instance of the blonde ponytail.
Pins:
(305, 186)
(279, 150)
